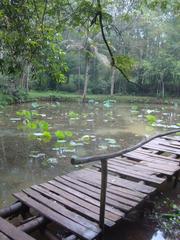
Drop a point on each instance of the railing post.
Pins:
(103, 193)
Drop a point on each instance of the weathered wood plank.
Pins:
(12, 232)
(72, 205)
(114, 215)
(97, 190)
(169, 159)
(149, 167)
(154, 145)
(62, 210)
(175, 138)
(95, 176)
(111, 198)
(134, 173)
(109, 206)
(70, 225)
(3, 237)
(163, 162)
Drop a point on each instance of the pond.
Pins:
(95, 128)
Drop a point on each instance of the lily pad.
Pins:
(86, 138)
(73, 143)
(103, 147)
(53, 161)
(110, 140)
(38, 156)
(68, 150)
(35, 105)
(15, 119)
(114, 146)
(61, 141)
(38, 134)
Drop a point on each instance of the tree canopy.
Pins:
(97, 45)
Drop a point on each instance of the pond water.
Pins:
(96, 127)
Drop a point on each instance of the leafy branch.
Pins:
(99, 16)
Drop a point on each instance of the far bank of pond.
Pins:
(94, 128)
(73, 97)
(60, 96)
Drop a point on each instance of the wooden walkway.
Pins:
(75, 201)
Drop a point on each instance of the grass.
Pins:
(5, 99)
(72, 97)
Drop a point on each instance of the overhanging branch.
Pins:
(113, 61)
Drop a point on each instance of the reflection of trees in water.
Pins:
(3, 158)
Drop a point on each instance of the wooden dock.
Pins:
(88, 202)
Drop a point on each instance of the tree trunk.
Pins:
(162, 84)
(28, 77)
(112, 80)
(87, 68)
(24, 81)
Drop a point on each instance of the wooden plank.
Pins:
(62, 210)
(110, 206)
(12, 232)
(96, 176)
(111, 199)
(132, 194)
(3, 237)
(97, 190)
(120, 191)
(113, 216)
(171, 143)
(160, 147)
(135, 166)
(175, 138)
(150, 167)
(134, 173)
(175, 143)
(169, 159)
(70, 225)
(72, 205)
(168, 165)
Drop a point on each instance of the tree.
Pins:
(30, 33)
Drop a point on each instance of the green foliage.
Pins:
(125, 63)
(72, 114)
(168, 220)
(46, 136)
(25, 114)
(108, 103)
(30, 36)
(151, 118)
(62, 135)
(33, 51)
(86, 139)
(38, 128)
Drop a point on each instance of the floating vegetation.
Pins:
(167, 216)
(15, 119)
(151, 118)
(37, 156)
(73, 115)
(62, 135)
(86, 139)
(35, 105)
(110, 140)
(102, 147)
(108, 103)
(91, 101)
(38, 128)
